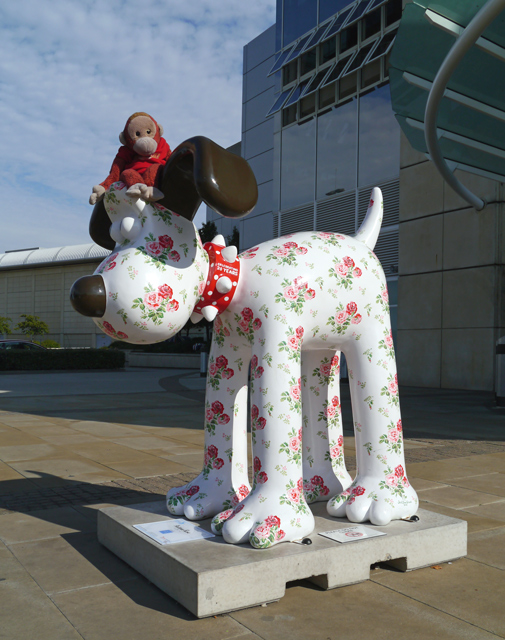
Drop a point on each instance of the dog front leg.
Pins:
(223, 482)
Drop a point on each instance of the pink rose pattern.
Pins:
(156, 303)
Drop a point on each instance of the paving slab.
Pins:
(488, 547)
(466, 589)
(210, 577)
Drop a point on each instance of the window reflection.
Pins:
(379, 138)
(298, 165)
(328, 8)
(299, 17)
(336, 150)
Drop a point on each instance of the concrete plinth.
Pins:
(209, 577)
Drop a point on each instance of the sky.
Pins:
(73, 71)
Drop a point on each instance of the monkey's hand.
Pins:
(97, 194)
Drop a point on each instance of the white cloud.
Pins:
(72, 71)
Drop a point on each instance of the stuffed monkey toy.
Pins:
(139, 161)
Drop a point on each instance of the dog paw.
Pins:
(264, 523)
(371, 499)
(204, 497)
(150, 194)
(135, 191)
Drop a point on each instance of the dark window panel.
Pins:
(327, 51)
(318, 36)
(338, 69)
(393, 11)
(279, 62)
(349, 38)
(289, 115)
(359, 59)
(370, 74)
(328, 8)
(371, 24)
(339, 23)
(348, 85)
(297, 49)
(277, 105)
(290, 72)
(359, 11)
(327, 95)
(297, 92)
(316, 81)
(307, 105)
(308, 61)
(384, 45)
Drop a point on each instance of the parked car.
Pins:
(20, 345)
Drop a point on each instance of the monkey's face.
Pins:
(143, 133)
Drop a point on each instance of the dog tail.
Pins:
(369, 230)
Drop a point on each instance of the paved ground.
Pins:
(71, 443)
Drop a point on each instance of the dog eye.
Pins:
(148, 131)
(137, 133)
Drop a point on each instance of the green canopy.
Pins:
(471, 115)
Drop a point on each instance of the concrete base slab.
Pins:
(210, 577)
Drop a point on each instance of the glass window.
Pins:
(327, 51)
(338, 69)
(308, 62)
(370, 74)
(336, 150)
(299, 17)
(307, 105)
(289, 115)
(278, 63)
(360, 57)
(393, 11)
(360, 10)
(327, 95)
(316, 81)
(298, 48)
(297, 92)
(349, 38)
(279, 102)
(348, 86)
(290, 72)
(371, 24)
(337, 25)
(298, 164)
(319, 34)
(379, 138)
(328, 8)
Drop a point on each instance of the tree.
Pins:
(32, 326)
(234, 238)
(5, 328)
(208, 231)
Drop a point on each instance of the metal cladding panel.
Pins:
(16, 258)
(338, 214)
(386, 250)
(42, 256)
(299, 219)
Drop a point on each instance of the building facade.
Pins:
(319, 132)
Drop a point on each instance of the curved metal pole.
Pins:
(466, 40)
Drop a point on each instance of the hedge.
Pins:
(13, 360)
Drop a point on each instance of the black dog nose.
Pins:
(88, 296)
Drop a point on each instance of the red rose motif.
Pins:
(317, 480)
(173, 305)
(228, 373)
(340, 441)
(217, 407)
(399, 472)
(358, 491)
(393, 388)
(247, 314)
(335, 401)
(393, 435)
(224, 418)
(294, 495)
(164, 291)
(310, 294)
(257, 464)
(357, 272)
(262, 531)
(218, 463)
(299, 332)
(295, 392)
(335, 362)
(259, 372)
(334, 452)
(254, 411)
(293, 342)
(351, 308)
(349, 262)
(212, 369)
(356, 319)
(281, 252)
(174, 255)
(122, 335)
(291, 292)
(254, 362)
(152, 300)
(166, 242)
(301, 251)
(262, 477)
(294, 444)
(325, 369)
(209, 414)
(261, 423)
(256, 324)
(290, 245)
(273, 521)
(192, 490)
(330, 411)
(243, 491)
(341, 317)
(299, 484)
(341, 269)
(385, 296)
(154, 248)
(212, 451)
(221, 362)
(399, 425)
(110, 266)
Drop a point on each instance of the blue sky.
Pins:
(73, 71)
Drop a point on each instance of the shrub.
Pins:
(62, 359)
(50, 344)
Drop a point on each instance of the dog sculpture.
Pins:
(283, 312)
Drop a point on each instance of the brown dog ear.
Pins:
(200, 170)
(122, 139)
(99, 226)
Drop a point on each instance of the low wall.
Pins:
(163, 360)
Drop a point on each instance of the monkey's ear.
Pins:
(122, 139)
(160, 127)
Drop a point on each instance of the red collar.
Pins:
(222, 279)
